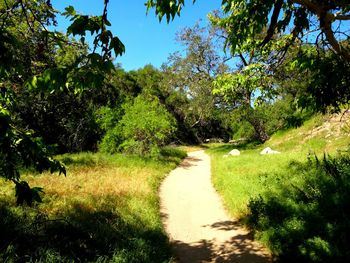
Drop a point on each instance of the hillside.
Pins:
(296, 202)
(322, 133)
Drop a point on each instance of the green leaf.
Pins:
(34, 82)
(70, 11)
(79, 26)
(117, 46)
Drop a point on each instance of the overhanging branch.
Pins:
(273, 23)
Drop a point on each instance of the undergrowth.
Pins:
(306, 221)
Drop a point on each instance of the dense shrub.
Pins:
(112, 140)
(107, 119)
(146, 126)
(305, 217)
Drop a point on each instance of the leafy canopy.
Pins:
(245, 19)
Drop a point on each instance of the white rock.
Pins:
(268, 150)
(234, 152)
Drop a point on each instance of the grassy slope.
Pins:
(106, 209)
(240, 178)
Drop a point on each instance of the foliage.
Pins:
(239, 88)
(146, 126)
(29, 65)
(268, 29)
(19, 148)
(56, 119)
(241, 129)
(292, 17)
(188, 79)
(104, 38)
(328, 79)
(168, 8)
(283, 114)
(246, 19)
(112, 140)
(307, 222)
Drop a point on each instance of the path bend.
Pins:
(197, 224)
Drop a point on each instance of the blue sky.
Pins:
(146, 40)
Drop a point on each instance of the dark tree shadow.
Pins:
(80, 234)
(189, 162)
(239, 249)
(226, 225)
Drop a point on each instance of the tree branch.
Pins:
(326, 26)
(243, 59)
(273, 23)
(326, 18)
(342, 17)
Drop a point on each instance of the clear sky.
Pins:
(147, 41)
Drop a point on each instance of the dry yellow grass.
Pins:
(105, 208)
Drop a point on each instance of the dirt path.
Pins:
(196, 221)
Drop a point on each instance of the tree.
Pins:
(240, 87)
(22, 53)
(245, 19)
(27, 51)
(20, 148)
(191, 76)
(328, 79)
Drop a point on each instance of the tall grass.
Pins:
(105, 210)
(251, 184)
(307, 220)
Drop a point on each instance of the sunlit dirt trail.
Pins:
(196, 222)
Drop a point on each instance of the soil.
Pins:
(198, 226)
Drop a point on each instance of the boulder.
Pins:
(268, 150)
(234, 152)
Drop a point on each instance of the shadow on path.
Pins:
(236, 250)
(239, 249)
(189, 162)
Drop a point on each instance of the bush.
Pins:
(146, 126)
(108, 119)
(112, 140)
(307, 220)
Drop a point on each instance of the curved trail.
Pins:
(196, 222)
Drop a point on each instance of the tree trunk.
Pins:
(257, 125)
(259, 129)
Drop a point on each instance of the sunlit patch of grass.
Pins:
(240, 178)
(105, 209)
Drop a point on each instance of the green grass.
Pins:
(238, 179)
(105, 210)
(297, 205)
(303, 217)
